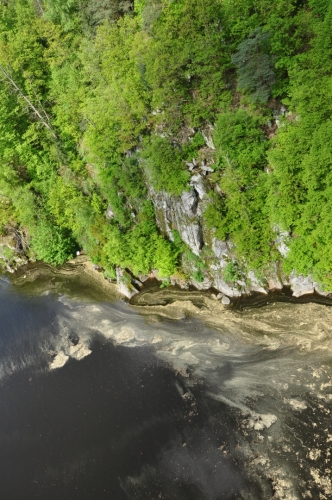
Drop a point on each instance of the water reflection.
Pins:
(99, 401)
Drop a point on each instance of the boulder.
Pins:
(301, 285)
(225, 300)
(203, 285)
(197, 183)
(223, 287)
(126, 289)
(255, 284)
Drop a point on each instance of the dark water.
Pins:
(98, 401)
(113, 425)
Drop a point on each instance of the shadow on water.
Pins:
(70, 279)
(257, 300)
(113, 426)
(119, 424)
(159, 410)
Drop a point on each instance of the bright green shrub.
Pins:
(165, 166)
(52, 244)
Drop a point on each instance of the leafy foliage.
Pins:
(254, 64)
(231, 273)
(165, 165)
(100, 99)
(239, 212)
(52, 244)
(300, 193)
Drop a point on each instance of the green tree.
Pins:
(52, 244)
(165, 165)
(255, 66)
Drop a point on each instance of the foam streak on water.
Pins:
(252, 395)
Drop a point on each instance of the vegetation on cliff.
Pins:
(105, 102)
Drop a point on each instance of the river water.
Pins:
(100, 399)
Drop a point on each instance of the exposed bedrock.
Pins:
(179, 213)
(184, 214)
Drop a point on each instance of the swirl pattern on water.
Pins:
(270, 367)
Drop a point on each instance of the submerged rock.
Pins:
(261, 421)
(59, 361)
(79, 351)
(225, 300)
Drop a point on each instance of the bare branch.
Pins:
(47, 118)
(27, 100)
(41, 8)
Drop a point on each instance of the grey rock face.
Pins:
(197, 183)
(274, 283)
(321, 292)
(189, 203)
(173, 212)
(206, 168)
(128, 290)
(222, 286)
(281, 240)
(190, 234)
(204, 285)
(182, 213)
(278, 114)
(207, 134)
(163, 210)
(190, 166)
(109, 213)
(221, 251)
(255, 284)
(301, 285)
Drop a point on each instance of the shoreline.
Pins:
(170, 302)
(244, 315)
(267, 364)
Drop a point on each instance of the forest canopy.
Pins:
(105, 103)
